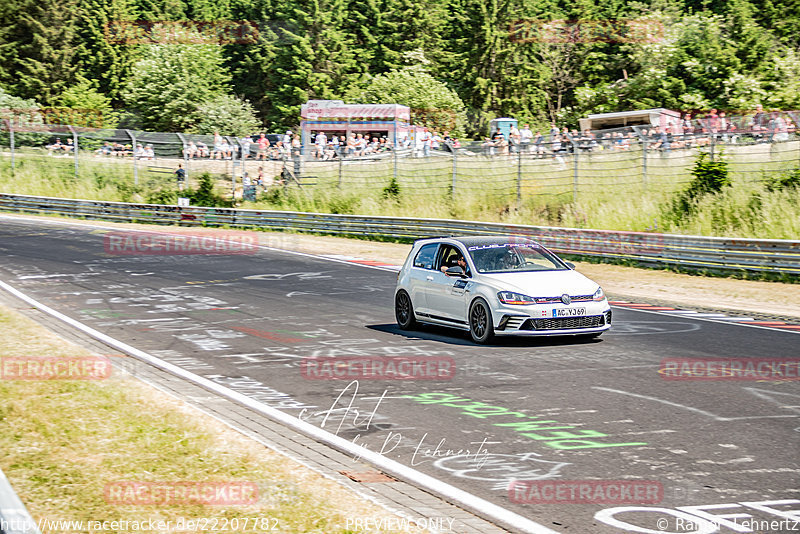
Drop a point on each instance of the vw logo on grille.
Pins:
(565, 299)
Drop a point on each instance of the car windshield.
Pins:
(513, 257)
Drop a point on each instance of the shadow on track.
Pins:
(453, 336)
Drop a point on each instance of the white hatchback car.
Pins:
(497, 285)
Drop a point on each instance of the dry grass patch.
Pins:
(64, 441)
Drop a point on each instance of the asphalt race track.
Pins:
(548, 411)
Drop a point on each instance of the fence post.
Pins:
(243, 157)
(135, 168)
(455, 173)
(519, 175)
(341, 160)
(11, 140)
(644, 163)
(74, 148)
(574, 170)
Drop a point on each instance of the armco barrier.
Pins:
(716, 253)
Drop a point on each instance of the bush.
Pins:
(710, 177)
(344, 204)
(787, 180)
(204, 195)
(392, 191)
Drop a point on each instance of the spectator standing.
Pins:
(538, 144)
(758, 123)
(180, 176)
(553, 132)
(263, 147)
(688, 124)
(525, 136)
(218, 145)
(779, 127)
(425, 141)
(514, 138)
(435, 141)
(246, 141)
(321, 141)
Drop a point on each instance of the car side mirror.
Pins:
(456, 270)
(570, 265)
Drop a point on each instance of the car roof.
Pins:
(479, 240)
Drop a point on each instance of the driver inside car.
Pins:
(460, 262)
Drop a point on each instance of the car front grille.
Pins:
(557, 300)
(563, 323)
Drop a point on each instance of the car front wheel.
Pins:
(404, 311)
(480, 322)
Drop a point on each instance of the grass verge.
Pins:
(64, 441)
(600, 191)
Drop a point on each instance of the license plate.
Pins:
(569, 312)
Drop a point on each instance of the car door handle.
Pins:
(429, 278)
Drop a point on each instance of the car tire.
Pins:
(481, 327)
(404, 311)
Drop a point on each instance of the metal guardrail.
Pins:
(14, 517)
(696, 252)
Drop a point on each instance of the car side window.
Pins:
(449, 258)
(426, 256)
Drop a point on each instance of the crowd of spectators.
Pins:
(687, 132)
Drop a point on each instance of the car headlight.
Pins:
(509, 297)
(599, 295)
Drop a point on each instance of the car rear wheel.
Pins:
(404, 311)
(481, 327)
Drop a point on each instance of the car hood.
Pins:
(543, 283)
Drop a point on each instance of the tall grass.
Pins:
(615, 191)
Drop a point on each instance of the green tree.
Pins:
(101, 59)
(171, 82)
(432, 103)
(315, 59)
(249, 64)
(37, 47)
(494, 72)
(383, 31)
(93, 109)
(227, 115)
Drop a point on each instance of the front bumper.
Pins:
(517, 324)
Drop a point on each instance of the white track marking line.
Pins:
(470, 501)
(691, 408)
(712, 320)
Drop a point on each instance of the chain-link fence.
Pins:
(569, 164)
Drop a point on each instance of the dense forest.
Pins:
(479, 59)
